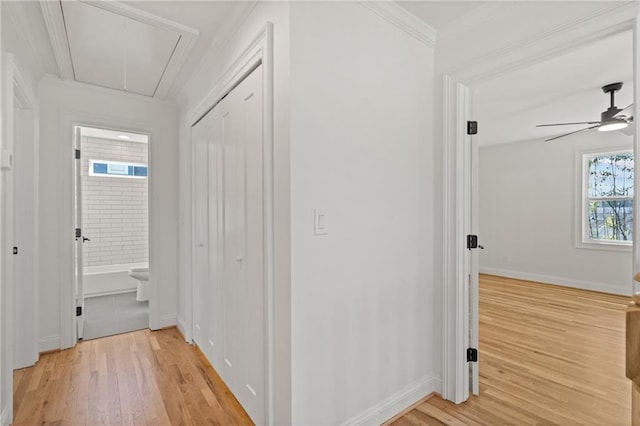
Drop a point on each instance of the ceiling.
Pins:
(95, 132)
(144, 47)
(439, 14)
(564, 89)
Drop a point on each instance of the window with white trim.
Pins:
(607, 198)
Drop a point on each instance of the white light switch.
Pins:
(320, 222)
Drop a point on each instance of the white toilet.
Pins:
(142, 276)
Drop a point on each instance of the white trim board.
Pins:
(397, 402)
(560, 281)
(5, 417)
(403, 19)
(532, 48)
(258, 51)
(49, 343)
(68, 120)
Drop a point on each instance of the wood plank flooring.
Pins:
(549, 355)
(138, 378)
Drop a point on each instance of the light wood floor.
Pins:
(138, 378)
(548, 355)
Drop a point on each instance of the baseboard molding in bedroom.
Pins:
(6, 416)
(566, 282)
(396, 403)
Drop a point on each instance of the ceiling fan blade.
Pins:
(568, 124)
(571, 133)
(621, 112)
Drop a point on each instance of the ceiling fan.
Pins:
(610, 119)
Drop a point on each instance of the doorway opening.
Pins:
(111, 231)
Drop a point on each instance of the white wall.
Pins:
(17, 328)
(115, 214)
(218, 59)
(528, 214)
(362, 149)
(61, 102)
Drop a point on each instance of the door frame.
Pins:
(66, 240)
(456, 102)
(258, 51)
(17, 91)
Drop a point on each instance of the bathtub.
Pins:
(109, 279)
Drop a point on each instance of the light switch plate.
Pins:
(320, 222)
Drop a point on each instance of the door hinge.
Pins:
(472, 355)
(78, 311)
(77, 154)
(78, 232)
(472, 127)
(15, 250)
(472, 241)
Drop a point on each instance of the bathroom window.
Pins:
(107, 168)
(607, 199)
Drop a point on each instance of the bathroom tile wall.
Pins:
(115, 209)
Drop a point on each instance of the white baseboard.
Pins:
(566, 282)
(397, 402)
(182, 327)
(6, 417)
(168, 321)
(49, 343)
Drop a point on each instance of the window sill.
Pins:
(605, 246)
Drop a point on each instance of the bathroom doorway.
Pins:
(112, 232)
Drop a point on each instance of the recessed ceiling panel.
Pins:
(111, 50)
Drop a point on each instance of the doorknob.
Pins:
(85, 239)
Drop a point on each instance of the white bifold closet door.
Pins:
(229, 313)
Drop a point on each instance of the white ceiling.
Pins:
(94, 132)
(439, 14)
(564, 89)
(111, 50)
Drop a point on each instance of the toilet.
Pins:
(142, 276)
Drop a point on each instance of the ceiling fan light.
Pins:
(612, 125)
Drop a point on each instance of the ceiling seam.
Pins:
(166, 65)
(66, 33)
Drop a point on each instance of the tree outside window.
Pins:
(608, 212)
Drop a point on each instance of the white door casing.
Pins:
(458, 205)
(229, 242)
(79, 236)
(259, 52)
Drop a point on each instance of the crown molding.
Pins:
(403, 19)
(237, 17)
(611, 19)
(52, 12)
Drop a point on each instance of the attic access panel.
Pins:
(112, 50)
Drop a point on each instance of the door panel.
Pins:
(79, 267)
(201, 135)
(228, 163)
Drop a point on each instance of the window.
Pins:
(117, 169)
(607, 201)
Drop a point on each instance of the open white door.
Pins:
(470, 217)
(474, 269)
(80, 239)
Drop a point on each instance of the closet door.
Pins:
(201, 136)
(251, 249)
(244, 361)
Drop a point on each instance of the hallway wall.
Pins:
(103, 107)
